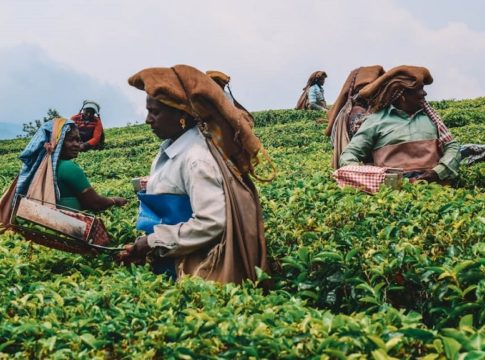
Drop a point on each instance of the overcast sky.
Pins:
(55, 54)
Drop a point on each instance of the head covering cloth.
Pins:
(185, 88)
(303, 100)
(383, 91)
(357, 78)
(314, 77)
(90, 104)
(218, 76)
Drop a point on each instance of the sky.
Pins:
(55, 54)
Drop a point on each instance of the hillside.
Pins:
(397, 275)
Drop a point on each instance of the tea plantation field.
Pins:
(393, 276)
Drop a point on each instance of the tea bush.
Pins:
(400, 274)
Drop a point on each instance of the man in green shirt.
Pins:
(404, 132)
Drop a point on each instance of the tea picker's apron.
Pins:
(168, 209)
(414, 157)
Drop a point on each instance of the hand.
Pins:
(135, 253)
(118, 201)
(429, 176)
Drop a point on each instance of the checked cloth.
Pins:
(444, 135)
(367, 178)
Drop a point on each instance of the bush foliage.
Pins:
(397, 275)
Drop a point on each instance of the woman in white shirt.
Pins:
(208, 152)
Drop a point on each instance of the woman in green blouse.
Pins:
(75, 190)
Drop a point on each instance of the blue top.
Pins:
(315, 94)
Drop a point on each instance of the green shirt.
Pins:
(72, 181)
(391, 126)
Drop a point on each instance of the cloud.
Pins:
(268, 47)
(32, 83)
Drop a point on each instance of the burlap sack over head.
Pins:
(380, 92)
(359, 77)
(186, 88)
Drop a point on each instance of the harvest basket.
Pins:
(59, 227)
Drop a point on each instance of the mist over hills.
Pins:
(32, 83)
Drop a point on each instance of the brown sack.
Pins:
(342, 138)
(6, 206)
(42, 185)
(302, 103)
(356, 79)
(380, 92)
(243, 246)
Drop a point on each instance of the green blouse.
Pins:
(72, 181)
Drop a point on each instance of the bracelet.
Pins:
(114, 201)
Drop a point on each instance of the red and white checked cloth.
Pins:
(444, 135)
(367, 178)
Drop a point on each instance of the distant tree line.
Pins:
(31, 127)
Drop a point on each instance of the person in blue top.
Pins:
(313, 96)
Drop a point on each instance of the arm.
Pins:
(98, 131)
(361, 145)
(74, 177)
(449, 163)
(204, 185)
(323, 101)
(91, 200)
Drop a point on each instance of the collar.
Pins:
(392, 109)
(173, 148)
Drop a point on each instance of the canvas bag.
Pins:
(243, 246)
(42, 185)
(6, 206)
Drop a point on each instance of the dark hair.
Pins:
(71, 127)
(318, 78)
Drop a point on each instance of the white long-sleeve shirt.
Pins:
(186, 166)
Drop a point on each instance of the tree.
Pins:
(31, 127)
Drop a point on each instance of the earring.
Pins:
(182, 123)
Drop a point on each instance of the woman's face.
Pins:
(88, 114)
(321, 81)
(71, 145)
(164, 120)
